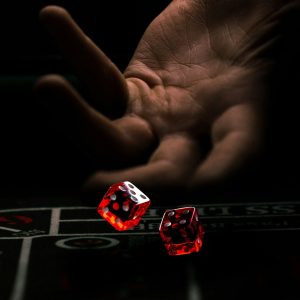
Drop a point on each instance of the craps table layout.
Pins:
(69, 252)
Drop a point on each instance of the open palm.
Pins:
(190, 101)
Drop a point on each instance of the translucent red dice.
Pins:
(123, 205)
(181, 231)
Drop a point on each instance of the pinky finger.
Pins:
(225, 161)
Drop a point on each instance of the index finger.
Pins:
(105, 82)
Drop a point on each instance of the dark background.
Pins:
(37, 159)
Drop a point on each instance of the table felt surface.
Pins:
(66, 251)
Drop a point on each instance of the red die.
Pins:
(181, 231)
(123, 205)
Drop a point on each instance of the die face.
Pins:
(179, 225)
(136, 194)
(121, 208)
(180, 231)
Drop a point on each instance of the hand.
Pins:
(190, 103)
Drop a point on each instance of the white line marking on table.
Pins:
(99, 220)
(82, 220)
(194, 290)
(55, 219)
(9, 229)
(126, 233)
(20, 280)
(46, 208)
(258, 204)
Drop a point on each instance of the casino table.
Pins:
(66, 251)
(54, 245)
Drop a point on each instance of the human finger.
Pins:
(170, 167)
(103, 79)
(237, 139)
(115, 141)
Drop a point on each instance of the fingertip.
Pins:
(53, 13)
(91, 192)
(49, 83)
(55, 19)
(55, 89)
(201, 180)
(95, 185)
(101, 180)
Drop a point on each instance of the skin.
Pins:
(190, 104)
